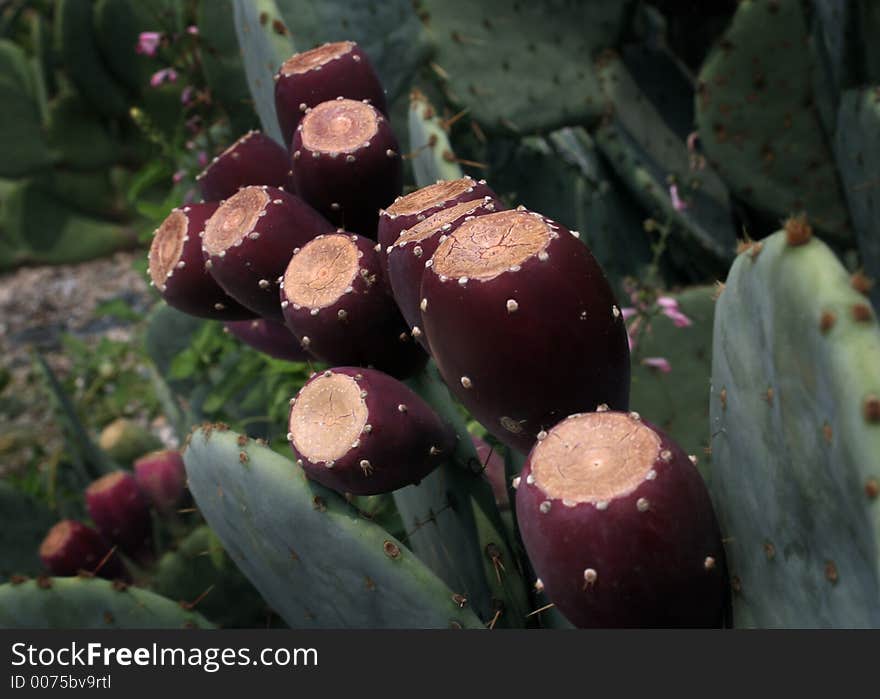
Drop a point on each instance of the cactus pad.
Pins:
(311, 555)
(795, 423)
(89, 603)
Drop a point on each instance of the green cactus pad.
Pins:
(89, 603)
(429, 141)
(200, 571)
(21, 139)
(452, 519)
(858, 156)
(78, 138)
(650, 157)
(24, 523)
(534, 59)
(40, 229)
(677, 402)
(78, 50)
(92, 193)
(311, 555)
(758, 119)
(795, 423)
(222, 63)
(118, 24)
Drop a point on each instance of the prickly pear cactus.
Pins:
(313, 557)
(78, 47)
(428, 140)
(264, 46)
(21, 138)
(534, 59)
(89, 603)
(758, 121)
(677, 402)
(858, 156)
(795, 423)
(651, 158)
(200, 573)
(39, 228)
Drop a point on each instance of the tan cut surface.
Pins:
(167, 247)
(319, 274)
(327, 418)
(488, 245)
(56, 538)
(432, 224)
(339, 126)
(107, 482)
(309, 60)
(430, 196)
(594, 457)
(234, 219)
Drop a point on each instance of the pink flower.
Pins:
(192, 29)
(147, 43)
(164, 75)
(677, 202)
(678, 318)
(669, 308)
(628, 312)
(177, 176)
(659, 363)
(186, 95)
(203, 158)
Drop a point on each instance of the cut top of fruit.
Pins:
(232, 148)
(315, 58)
(328, 417)
(322, 271)
(486, 246)
(57, 537)
(595, 457)
(167, 247)
(339, 126)
(432, 224)
(430, 196)
(108, 482)
(234, 219)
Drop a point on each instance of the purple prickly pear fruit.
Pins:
(162, 478)
(336, 300)
(249, 240)
(360, 431)
(347, 164)
(269, 337)
(254, 159)
(71, 547)
(177, 268)
(405, 259)
(416, 206)
(324, 73)
(493, 468)
(121, 512)
(523, 325)
(619, 526)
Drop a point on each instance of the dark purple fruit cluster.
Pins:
(119, 505)
(304, 213)
(511, 306)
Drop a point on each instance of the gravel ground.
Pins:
(38, 305)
